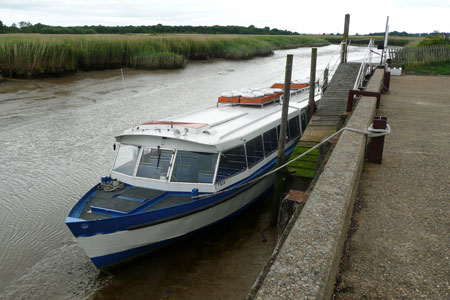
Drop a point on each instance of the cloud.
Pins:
(305, 17)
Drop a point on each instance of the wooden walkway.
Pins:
(327, 119)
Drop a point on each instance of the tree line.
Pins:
(27, 27)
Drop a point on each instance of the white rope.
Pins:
(370, 132)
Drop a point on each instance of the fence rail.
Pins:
(419, 55)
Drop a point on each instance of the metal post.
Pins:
(282, 141)
(345, 39)
(312, 82)
(376, 145)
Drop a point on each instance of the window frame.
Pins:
(221, 154)
(262, 146)
(138, 158)
(276, 139)
(187, 182)
(170, 167)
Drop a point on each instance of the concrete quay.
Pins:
(307, 263)
(399, 242)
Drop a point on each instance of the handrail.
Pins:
(363, 69)
(331, 71)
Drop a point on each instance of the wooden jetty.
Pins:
(327, 120)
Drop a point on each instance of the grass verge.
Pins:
(433, 68)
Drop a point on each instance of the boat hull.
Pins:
(108, 249)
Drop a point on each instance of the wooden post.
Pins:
(312, 82)
(281, 142)
(325, 80)
(345, 39)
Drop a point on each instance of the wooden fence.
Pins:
(419, 55)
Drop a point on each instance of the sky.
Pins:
(320, 16)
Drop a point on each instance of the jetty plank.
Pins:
(327, 118)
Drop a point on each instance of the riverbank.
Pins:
(40, 55)
(399, 243)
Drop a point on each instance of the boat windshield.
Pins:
(194, 167)
(155, 163)
(126, 159)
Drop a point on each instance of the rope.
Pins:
(109, 187)
(370, 132)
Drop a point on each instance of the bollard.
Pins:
(376, 145)
(386, 81)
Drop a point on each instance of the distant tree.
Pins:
(23, 24)
(3, 28)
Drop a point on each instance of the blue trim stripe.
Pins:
(114, 258)
(86, 228)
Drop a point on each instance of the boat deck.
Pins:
(129, 200)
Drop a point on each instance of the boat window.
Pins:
(231, 162)
(294, 128)
(304, 123)
(287, 131)
(126, 159)
(255, 151)
(154, 163)
(270, 141)
(194, 167)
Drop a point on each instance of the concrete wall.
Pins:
(308, 262)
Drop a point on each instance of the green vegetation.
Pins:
(434, 40)
(433, 68)
(429, 55)
(364, 40)
(33, 55)
(27, 27)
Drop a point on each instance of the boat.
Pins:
(175, 176)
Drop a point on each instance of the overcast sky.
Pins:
(321, 16)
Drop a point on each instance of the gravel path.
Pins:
(399, 242)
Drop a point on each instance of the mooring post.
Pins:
(345, 39)
(376, 145)
(386, 80)
(281, 142)
(312, 83)
(325, 80)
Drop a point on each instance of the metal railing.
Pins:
(324, 79)
(366, 66)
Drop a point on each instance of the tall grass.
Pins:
(36, 55)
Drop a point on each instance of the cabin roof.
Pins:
(223, 126)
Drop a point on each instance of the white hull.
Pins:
(106, 244)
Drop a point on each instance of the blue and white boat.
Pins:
(176, 176)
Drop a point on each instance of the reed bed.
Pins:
(36, 55)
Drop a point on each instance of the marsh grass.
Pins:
(35, 55)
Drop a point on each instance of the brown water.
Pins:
(56, 139)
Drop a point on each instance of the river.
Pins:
(56, 138)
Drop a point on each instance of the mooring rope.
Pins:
(370, 132)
